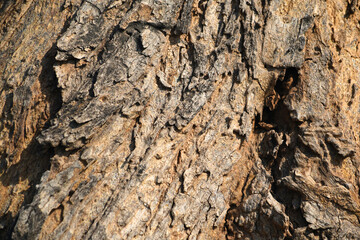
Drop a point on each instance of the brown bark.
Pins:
(218, 119)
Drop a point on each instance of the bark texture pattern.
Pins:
(191, 119)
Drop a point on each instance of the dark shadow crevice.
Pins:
(279, 124)
(34, 160)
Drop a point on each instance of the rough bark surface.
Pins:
(191, 119)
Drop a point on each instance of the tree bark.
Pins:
(191, 119)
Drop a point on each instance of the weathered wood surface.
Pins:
(191, 119)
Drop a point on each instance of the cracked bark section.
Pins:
(29, 100)
(179, 119)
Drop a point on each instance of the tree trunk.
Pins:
(191, 119)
